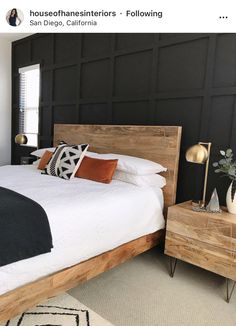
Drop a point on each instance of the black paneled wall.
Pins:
(150, 79)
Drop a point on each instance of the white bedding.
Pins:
(86, 219)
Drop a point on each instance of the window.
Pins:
(29, 103)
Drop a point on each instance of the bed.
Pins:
(137, 229)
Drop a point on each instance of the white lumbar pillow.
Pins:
(140, 180)
(132, 164)
(39, 152)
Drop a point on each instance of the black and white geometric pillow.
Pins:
(66, 161)
(70, 160)
(51, 168)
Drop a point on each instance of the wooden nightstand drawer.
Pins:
(207, 256)
(206, 227)
(204, 239)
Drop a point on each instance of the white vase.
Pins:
(231, 205)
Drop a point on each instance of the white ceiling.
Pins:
(14, 36)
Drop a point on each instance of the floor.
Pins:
(141, 293)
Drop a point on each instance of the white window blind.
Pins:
(29, 103)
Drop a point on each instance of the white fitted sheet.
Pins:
(86, 219)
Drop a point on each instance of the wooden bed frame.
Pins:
(157, 143)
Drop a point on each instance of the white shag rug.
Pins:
(63, 310)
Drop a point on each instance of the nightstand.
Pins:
(27, 160)
(207, 240)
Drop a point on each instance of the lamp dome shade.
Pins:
(197, 154)
(21, 139)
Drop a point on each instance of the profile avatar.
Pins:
(14, 17)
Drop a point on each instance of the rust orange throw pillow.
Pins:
(96, 169)
(44, 160)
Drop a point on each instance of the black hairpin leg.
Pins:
(228, 291)
(173, 262)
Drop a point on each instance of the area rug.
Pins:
(63, 310)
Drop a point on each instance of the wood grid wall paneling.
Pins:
(142, 79)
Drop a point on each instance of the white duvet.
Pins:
(86, 219)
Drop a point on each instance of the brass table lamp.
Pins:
(200, 154)
(21, 139)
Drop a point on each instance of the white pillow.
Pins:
(132, 164)
(41, 151)
(140, 180)
(93, 154)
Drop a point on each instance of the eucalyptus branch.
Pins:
(227, 166)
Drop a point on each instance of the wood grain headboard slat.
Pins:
(157, 143)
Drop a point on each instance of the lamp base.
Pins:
(199, 206)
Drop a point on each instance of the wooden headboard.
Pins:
(157, 143)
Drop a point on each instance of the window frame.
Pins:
(21, 69)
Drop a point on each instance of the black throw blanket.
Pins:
(24, 228)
